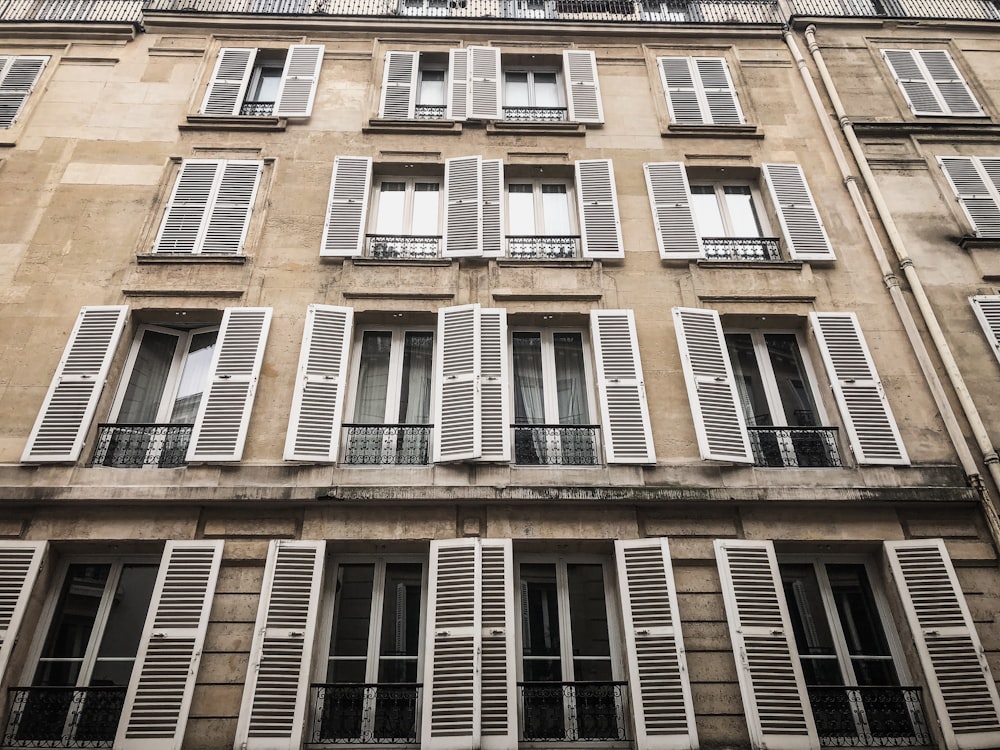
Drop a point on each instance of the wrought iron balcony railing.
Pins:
(63, 717)
(549, 247)
(257, 109)
(556, 445)
(94, 11)
(573, 711)
(372, 714)
(534, 114)
(133, 446)
(430, 111)
(804, 447)
(386, 444)
(402, 246)
(869, 716)
(980, 10)
(742, 248)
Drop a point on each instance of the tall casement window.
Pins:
(533, 94)
(253, 82)
(541, 220)
(931, 83)
(407, 218)
(18, 76)
(975, 181)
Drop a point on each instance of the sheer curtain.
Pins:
(415, 395)
(529, 397)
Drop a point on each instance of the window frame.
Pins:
(550, 377)
(538, 217)
(756, 203)
(436, 67)
(532, 71)
(409, 189)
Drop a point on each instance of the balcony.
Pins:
(357, 714)
(94, 11)
(556, 445)
(534, 114)
(761, 249)
(572, 711)
(63, 717)
(791, 447)
(542, 248)
(257, 109)
(869, 716)
(974, 10)
(387, 444)
(430, 112)
(132, 446)
(402, 247)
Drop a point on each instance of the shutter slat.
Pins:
(673, 218)
(495, 385)
(499, 667)
(463, 213)
(600, 224)
(457, 417)
(583, 89)
(399, 85)
(800, 221)
(20, 563)
(18, 76)
(297, 88)
(347, 207)
(485, 98)
(228, 84)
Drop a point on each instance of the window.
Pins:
(264, 82)
(730, 223)
(18, 76)
(976, 182)
(406, 218)
(533, 95)
(931, 83)
(699, 91)
(432, 98)
(541, 222)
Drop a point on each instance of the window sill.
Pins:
(675, 130)
(154, 259)
(971, 242)
(415, 127)
(222, 122)
(977, 126)
(546, 262)
(388, 262)
(778, 265)
(510, 127)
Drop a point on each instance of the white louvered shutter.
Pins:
(297, 88)
(628, 437)
(318, 400)
(718, 90)
(399, 85)
(18, 76)
(583, 89)
(800, 221)
(930, 82)
(166, 668)
(71, 400)
(958, 675)
(597, 197)
(228, 213)
(451, 716)
(228, 84)
(976, 183)
(463, 211)
(499, 655)
(458, 84)
(347, 207)
(495, 385)
(767, 663)
(19, 566)
(186, 212)
(987, 309)
(657, 666)
(220, 429)
(276, 692)
(493, 214)
(681, 88)
(863, 406)
(457, 408)
(715, 406)
(673, 218)
(485, 98)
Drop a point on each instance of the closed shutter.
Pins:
(495, 385)
(958, 676)
(657, 666)
(297, 89)
(347, 208)
(720, 94)
(229, 211)
(800, 222)
(767, 663)
(18, 76)
(493, 215)
(987, 309)
(628, 437)
(863, 406)
(71, 400)
(976, 182)
(228, 84)
(457, 408)
(958, 99)
(159, 694)
(276, 692)
(499, 659)
(458, 84)
(673, 218)
(463, 212)
(715, 406)
(681, 89)
(912, 81)
(318, 400)
(598, 201)
(930, 82)
(484, 84)
(583, 90)
(399, 85)
(19, 566)
(220, 429)
(184, 217)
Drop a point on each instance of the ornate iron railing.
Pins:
(983, 10)
(869, 716)
(742, 248)
(556, 445)
(133, 446)
(401, 444)
(522, 248)
(573, 711)
(95, 11)
(534, 114)
(401, 246)
(63, 717)
(257, 109)
(806, 447)
(430, 111)
(359, 714)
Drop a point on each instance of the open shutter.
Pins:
(657, 667)
(628, 437)
(452, 662)
(17, 78)
(347, 208)
(484, 84)
(276, 692)
(71, 400)
(863, 406)
(767, 663)
(159, 694)
(184, 217)
(987, 309)
(681, 89)
(19, 566)
(458, 84)
(971, 183)
(220, 428)
(670, 199)
(228, 84)
(463, 212)
(493, 216)
(720, 94)
(229, 211)
(495, 385)
(715, 406)
(955, 666)
(499, 655)
(804, 231)
(583, 90)
(598, 200)
(399, 85)
(457, 408)
(297, 89)
(318, 400)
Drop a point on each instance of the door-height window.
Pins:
(533, 95)
(540, 220)
(406, 218)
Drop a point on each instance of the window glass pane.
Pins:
(373, 377)
(194, 377)
(352, 620)
(588, 611)
(862, 625)
(391, 208)
(546, 90)
(707, 215)
(515, 89)
(540, 622)
(742, 216)
(529, 399)
(141, 403)
(432, 92)
(555, 210)
(265, 85)
(571, 382)
(521, 209)
(120, 640)
(789, 374)
(415, 388)
(810, 625)
(749, 383)
(400, 623)
(425, 209)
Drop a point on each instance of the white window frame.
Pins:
(550, 376)
(409, 189)
(437, 67)
(537, 203)
(719, 187)
(270, 61)
(532, 70)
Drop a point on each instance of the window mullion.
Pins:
(833, 620)
(100, 622)
(565, 623)
(408, 200)
(173, 381)
(768, 381)
(394, 387)
(375, 623)
(550, 396)
(722, 202)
